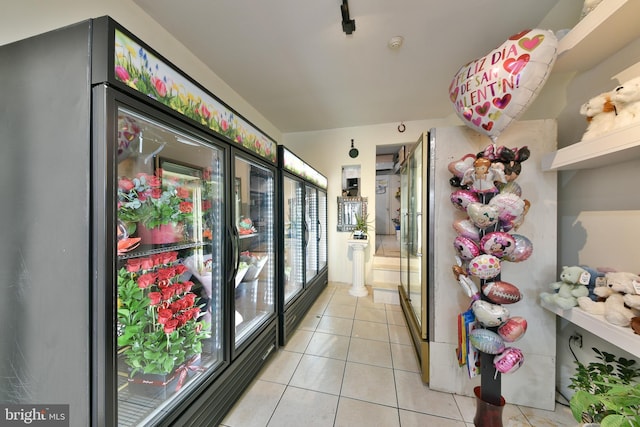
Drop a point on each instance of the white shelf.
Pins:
(608, 28)
(623, 338)
(618, 146)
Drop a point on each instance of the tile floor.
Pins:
(351, 364)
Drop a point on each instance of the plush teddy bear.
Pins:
(627, 284)
(626, 99)
(595, 276)
(600, 112)
(620, 294)
(572, 285)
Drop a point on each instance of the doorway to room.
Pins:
(387, 199)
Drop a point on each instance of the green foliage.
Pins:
(147, 345)
(362, 223)
(606, 391)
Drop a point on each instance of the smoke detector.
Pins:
(395, 42)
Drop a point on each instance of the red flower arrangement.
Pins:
(158, 314)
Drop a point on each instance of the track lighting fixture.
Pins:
(348, 24)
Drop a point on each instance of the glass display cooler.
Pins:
(416, 255)
(303, 225)
(141, 260)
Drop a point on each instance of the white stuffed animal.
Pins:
(626, 99)
(620, 290)
(601, 115)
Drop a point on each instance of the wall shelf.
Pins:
(590, 41)
(616, 147)
(623, 338)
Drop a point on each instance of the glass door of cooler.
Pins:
(311, 240)
(293, 198)
(322, 230)
(169, 264)
(414, 229)
(255, 247)
(404, 227)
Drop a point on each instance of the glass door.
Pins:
(255, 268)
(322, 229)
(414, 230)
(404, 227)
(169, 264)
(311, 235)
(292, 195)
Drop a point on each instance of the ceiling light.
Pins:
(395, 42)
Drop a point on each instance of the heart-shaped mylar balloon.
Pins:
(465, 227)
(490, 92)
(458, 167)
(482, 215)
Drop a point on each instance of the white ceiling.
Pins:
(291, 60)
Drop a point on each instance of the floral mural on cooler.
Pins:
(139, 69)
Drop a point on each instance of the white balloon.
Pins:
(490, 92)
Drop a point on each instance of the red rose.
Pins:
(157, 259)
(182, 318)
(155, 298)
(186, 207)
(187, 284)
(147, 263)
(206, 205)
(172, 255)
(182, 192)
(170, 326)
(146, 280)
(126, 184)
(164, 314)
(180, 268)
(190, 299)
(154, 181)
(166, 273)
(167, 293)
(175, 307)
(142, 196)
(156, 193)
(133, 265)
(178, 288)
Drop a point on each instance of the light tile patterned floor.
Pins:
(351, 364)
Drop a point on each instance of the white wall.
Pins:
(25, 18)
(328, 151)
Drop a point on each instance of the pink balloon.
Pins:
(490, 92)
(509, 360)
(466, 248)
(498, 243)
(461, 198)
(513, 329)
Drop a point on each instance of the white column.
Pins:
(358, 289)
